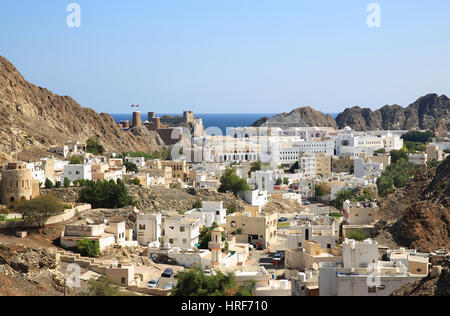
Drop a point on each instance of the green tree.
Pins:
(321, 190)
(38, 210)
(419, 137)
(399, 155)
(286, 181)
(341, 197)
(88, 248)
(58, 184)
(48, 184)
(279, 181)
(131, 167)
(136, 181)
(255, 166)
(385, 184)
(380, 151)
(105, 194)
(194, 282)
(76, 160)
(231, 182)
(66, 183)
(94, 147)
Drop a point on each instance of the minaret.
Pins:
(216, 245)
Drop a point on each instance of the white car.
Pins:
(207, 272)
(153, 283)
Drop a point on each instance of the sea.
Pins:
(221, 121)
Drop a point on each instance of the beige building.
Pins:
(361, 213)
(323, 165)
(342, 164)
(309, 257)
(434, 153)
(17, 183)
(179, 168)
(253, 226)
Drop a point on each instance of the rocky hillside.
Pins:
(418, 215)
(431, 112)
(433, 285)
(301, 117)
(41, 118)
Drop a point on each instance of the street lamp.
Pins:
(277, 262)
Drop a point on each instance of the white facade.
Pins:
(138, 161)
(307, 164)
(209, 213)
(77, 172)
(365, 169)
(180, 231)
(148, 228)
(256, 197)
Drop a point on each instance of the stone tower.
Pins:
(188, 117)
(17, 183)
(137, 121)
(216, 245)
(151, 116)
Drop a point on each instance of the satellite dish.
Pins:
(89, 221)
(315, 267)
(105, 221)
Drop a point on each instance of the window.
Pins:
(300, 244)
(182, 229)
(123, 280)
(184, 241)
(141, 227)
(372, 289)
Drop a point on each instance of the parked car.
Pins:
(297, 217)
(283, 219)
(169, 286)
(306, 203)
(251, 247)
(260, 246)
(280, 254)
(167, 273)
(276, 260)
(207, 272)
(153, 283)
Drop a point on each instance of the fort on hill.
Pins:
(168, 127)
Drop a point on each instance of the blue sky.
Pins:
(230, 56)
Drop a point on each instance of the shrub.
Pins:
(58, 184)
(358, 235)
(105, 194)
(131, 167)
(76, 160)
(48, 184)
(66, 183)
(197, 204)
(88, 248)
(136, 181)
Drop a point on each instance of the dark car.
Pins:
(260, 246)
(276, 260)
(280, 254)
(167, 273)
(283, 219)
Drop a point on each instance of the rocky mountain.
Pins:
(431, 112)
(417, 216)
(301, 117)
(38, 118)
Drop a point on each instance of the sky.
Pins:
(231, 56)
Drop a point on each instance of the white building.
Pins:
(209, 213)
(77, 172)
(148, 228)
(361, 274)
(367, 169)
(307, 164)
(256, 197)
(179, 231)
(138, 161)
